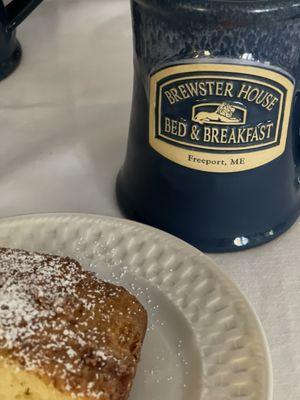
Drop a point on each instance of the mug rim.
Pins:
(193, 3)
(247, 9)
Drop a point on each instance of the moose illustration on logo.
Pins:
(220, 114)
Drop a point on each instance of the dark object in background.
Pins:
(213, 152)
(10, 17)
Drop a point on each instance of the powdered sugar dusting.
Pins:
(56, 319)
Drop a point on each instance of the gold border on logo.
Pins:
(212, 162)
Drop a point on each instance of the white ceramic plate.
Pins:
(204, 342)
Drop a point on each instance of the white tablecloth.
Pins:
(64, 120)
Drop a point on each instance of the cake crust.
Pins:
(76, 332)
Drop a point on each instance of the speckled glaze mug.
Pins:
(213, 152)
(12, 13)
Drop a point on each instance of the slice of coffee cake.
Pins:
(65, 334)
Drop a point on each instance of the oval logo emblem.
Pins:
(220, 118)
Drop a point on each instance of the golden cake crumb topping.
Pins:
(75, 331)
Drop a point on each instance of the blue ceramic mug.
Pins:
(214, 148)
(11, 16)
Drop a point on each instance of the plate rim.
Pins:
(189, 248)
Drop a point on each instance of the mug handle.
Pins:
(18, 10)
